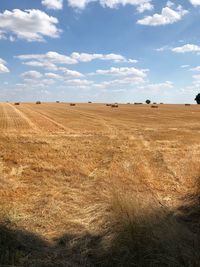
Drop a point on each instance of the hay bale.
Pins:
(57, 101)
(89, 102)
(137, 103)
(187, 105)
(154, 106)
(38, 102)
(16, 103)
(108, 105)
(114, 106)
(72, 104)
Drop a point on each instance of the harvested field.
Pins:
(96, 186)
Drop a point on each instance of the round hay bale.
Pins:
(154, 106)
(114, 106)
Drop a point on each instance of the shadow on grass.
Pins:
(130, 239)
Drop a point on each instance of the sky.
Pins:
(100, 50)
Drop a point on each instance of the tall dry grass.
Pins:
(140, 235)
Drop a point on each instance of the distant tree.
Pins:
(148, 101)
(197, 98)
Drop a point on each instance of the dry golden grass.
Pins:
(95, 186)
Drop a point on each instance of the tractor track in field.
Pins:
(3, 121)
(26, 119)
(154, 166)
(112, 129)
(46, 117)
(11, 119)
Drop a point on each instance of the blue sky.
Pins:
(102, 51)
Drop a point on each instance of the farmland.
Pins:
(91, 185)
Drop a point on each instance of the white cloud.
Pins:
(45, 65)
(141, 5)
(169, 4)
(31, 25)
(59, 58)
(86, 57)
(30, 81)
(124, 71)
(51, 59)
(53, 4)
(163, 48)
(144, 7)
(127, 81)
(186, 48)
(2, 35)
(158, 86)
(195, 69)
(71, 73)
(78, 83)
(185, 66)
(3, 68)
(47, 61)
(167, 16)
(51, 75)
(195, 2)
(32, 74)
(196, 77)
(78, 4)
(129, 77)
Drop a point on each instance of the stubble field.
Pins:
(92, 185)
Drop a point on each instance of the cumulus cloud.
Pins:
(195, 2)
(158, 86)
(128, 77)
(196, 77)
(47, 61)
(45, 65)
(163, 48)
(71, 73)
(186, 48)
(51, 75)
(3, 68)
(86, 57)
(144, 7)
(127, 81)
(167, 16)
(32, 74)
(141, 5)
(185, 66)
(55, 57)
(78, 83)
(195, 69)
(124, 71)
(53, 4)
(51, 59)
(2, 35)
(30, 25)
